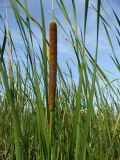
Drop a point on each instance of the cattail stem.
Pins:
(52, 66)
(53, 10)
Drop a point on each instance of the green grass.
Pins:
(86, 122)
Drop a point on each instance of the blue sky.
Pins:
(65, 51)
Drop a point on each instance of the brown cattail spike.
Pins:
(52, 65)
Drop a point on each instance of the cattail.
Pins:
(52, 66)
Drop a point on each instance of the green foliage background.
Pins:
(86, 122)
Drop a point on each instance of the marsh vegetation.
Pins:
(85, 124)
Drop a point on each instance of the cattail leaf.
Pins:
(85, 16)
(118, 20)
(44, 51)
(2, 49)
(108, 36)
